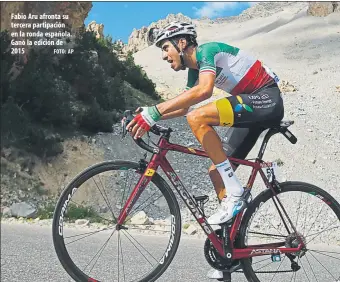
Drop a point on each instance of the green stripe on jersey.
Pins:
(207, 68)
(206, 53)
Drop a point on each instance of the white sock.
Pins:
(231, 182)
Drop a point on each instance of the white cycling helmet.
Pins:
(171, 30)
(157, 36)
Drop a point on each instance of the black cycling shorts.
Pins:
(263, 107)
(249, 115)
(238, 142)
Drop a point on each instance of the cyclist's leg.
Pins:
(262, 108)
(246, 111)
(201, 121)
(238, 144)
(251, 115)
(266, 109)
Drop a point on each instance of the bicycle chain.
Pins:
(216, 261)
(269, 235)
(264, 272)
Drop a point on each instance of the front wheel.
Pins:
(85, 237)
(316, 217)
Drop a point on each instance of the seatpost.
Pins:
(266, 138)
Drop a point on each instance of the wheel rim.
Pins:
(102, 252)
(317, 218)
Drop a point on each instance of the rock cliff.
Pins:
(98, 29)
(137, 40)
(322, 9)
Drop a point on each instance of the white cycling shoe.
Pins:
(215, 274)
(230, 207)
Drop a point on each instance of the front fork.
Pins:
(147, 171)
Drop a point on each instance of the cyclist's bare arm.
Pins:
(174, 114)
(191, 97)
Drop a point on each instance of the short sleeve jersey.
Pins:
(235, 71)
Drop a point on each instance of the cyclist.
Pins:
(254, 105)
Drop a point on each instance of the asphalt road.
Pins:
(27, 254)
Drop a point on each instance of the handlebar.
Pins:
(156, 129)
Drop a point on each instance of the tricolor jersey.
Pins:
(236, 72)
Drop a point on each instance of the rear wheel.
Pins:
(315, 215)
(95, 250)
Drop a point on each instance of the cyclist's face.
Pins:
(170, 54)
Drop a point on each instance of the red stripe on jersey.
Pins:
(208, 71)
(255, 78)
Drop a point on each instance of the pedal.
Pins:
(226, 277)
(235, 266)
(201, 201)
(201, 198)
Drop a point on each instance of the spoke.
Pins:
(118, 242)
(305, 221)
(260, 261)
(273, 226)
(136, 247)
(121, 252)
(297, 218)
(123, 196)
(304, 271)
(294, 274)
(277, 269)
(296, 271)
(263, 266)
(156, 230)
(144, 203)
(315, 219)
(324, 254)
(311, 268)
(322, 265)
(100, 251)
(267, 234)
(140, 245)
(317, 234)
(105, 199)
(83, 237)
(109, 220)
(87, 235)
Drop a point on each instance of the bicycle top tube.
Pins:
(165, 132)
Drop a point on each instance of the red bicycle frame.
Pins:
(159, 159)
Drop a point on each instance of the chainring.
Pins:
(212, 255)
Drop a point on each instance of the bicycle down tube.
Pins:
(159, 159)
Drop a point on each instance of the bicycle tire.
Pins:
(289, 186)
(159, 182)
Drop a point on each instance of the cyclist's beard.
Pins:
(178, 66)
(181, 56)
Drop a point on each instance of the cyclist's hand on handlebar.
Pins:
(133, 125)
(143, 121)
